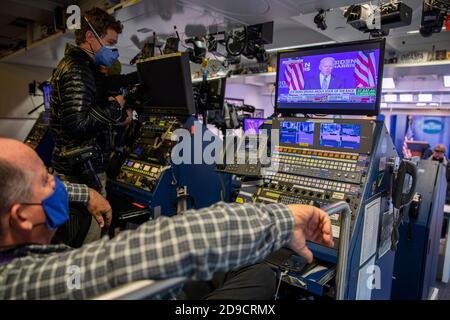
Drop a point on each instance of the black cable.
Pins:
(222, 184)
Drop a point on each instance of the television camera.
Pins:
(378, 20)
(433, 16)
(209, 97)
(245, 41)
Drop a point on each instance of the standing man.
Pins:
(82, 113)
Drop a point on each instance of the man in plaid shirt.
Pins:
(195, 245)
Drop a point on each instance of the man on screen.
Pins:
(325, 79)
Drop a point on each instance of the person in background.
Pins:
(440, 154)
(83, 113)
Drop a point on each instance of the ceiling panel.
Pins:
(293, 24)
(47, 54)
(26, 10)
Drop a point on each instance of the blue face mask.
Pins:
(107, 55)
(56, 206)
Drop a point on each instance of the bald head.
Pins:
(25, 184)
(19, 154)
(18, 166)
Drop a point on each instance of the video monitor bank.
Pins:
(341, 78)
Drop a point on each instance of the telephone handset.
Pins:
(401, 199)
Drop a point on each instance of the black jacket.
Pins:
(81, 114)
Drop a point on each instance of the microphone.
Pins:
(133, 61)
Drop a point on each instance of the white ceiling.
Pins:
(293, 25)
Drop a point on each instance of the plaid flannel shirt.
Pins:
(78, 193)
(193, 245)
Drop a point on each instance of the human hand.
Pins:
(311, 224)
(104, 70)
(128, 119)
(120, 99)
(99, 208)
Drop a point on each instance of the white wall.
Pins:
(15, 102)
(253, 95)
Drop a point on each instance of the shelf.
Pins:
(417, 69)
(418, 65)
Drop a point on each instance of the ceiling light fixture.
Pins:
(406, 98)
(390, 98)
(388, 83)
(428, 97)
(300, 46)
(447, 81)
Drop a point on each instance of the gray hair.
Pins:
(328, 58)
(15, 185)
(442, 146)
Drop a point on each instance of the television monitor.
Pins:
(168, 81)
(252, 125)
(343, 135)
(342, 78)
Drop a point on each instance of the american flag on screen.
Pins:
(408, 137)
(294, 75)
(365, 69)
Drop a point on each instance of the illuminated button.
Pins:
(320, 154)
(355, 158)
(342, 156)
(348, 156)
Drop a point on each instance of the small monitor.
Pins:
(168, 81)
(340, 135)
(252, 126)
(341, 78)
(297, 133)
(46, 90)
